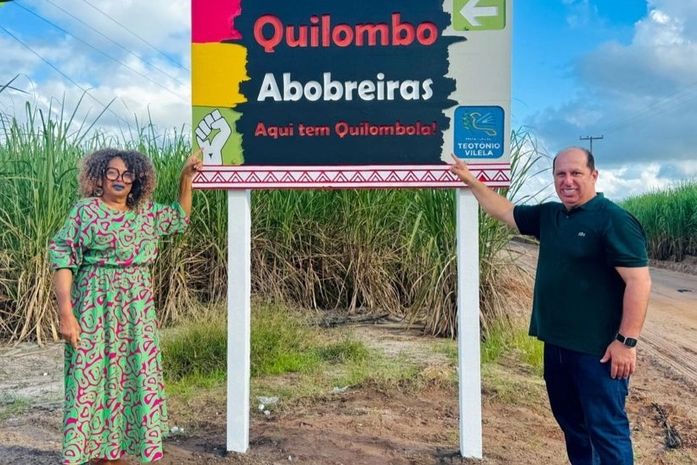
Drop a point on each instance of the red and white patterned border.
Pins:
(345, 177)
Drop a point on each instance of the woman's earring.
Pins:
(98, 191)
(130, 197)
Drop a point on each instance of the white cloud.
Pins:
(581, 13)
(15, 58)
(146, 84)
(682, 12)
(641, 96)
(162, 23)
(621, 183)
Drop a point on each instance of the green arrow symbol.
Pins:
(471, 11)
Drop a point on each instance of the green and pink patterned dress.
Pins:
(114, 393)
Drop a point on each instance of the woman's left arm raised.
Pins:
(192, 165)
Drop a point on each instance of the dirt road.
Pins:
(670, 333)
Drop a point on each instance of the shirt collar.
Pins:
(592, 204)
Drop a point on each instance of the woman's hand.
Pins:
(192, 165)
(70, 329)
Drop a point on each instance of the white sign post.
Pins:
(468, 367)
(239, 224)
(482, 68)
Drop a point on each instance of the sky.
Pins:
(625, 70)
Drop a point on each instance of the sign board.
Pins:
(318, 93)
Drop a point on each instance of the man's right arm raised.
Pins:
(495, 205)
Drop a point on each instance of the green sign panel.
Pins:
(479, 15)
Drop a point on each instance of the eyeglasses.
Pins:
(113, 174)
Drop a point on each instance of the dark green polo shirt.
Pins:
(578, 293)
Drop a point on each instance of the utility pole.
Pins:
(591, 139)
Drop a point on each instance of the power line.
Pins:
(683, 94)
(85, 91)
(130, 52)
(658, 107)
(100, 52)
(137, 36)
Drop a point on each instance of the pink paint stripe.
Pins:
(213, 20)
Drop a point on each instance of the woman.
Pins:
(114, 397)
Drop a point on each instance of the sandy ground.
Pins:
(370, 426)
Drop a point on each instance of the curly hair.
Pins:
(93, 169)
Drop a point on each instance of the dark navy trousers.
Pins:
(589, 407)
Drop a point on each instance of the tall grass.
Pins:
(387, 249)
(37, 171)
(669, 219)
(392, 250)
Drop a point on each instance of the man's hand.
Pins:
(459, 169)
(494, 204)
(622, 360)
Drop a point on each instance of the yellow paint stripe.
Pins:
(216, 73)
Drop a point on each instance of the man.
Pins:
(591, 293)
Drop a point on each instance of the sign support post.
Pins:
(239, 221)
(468, 369)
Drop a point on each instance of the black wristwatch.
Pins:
(628, 341)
